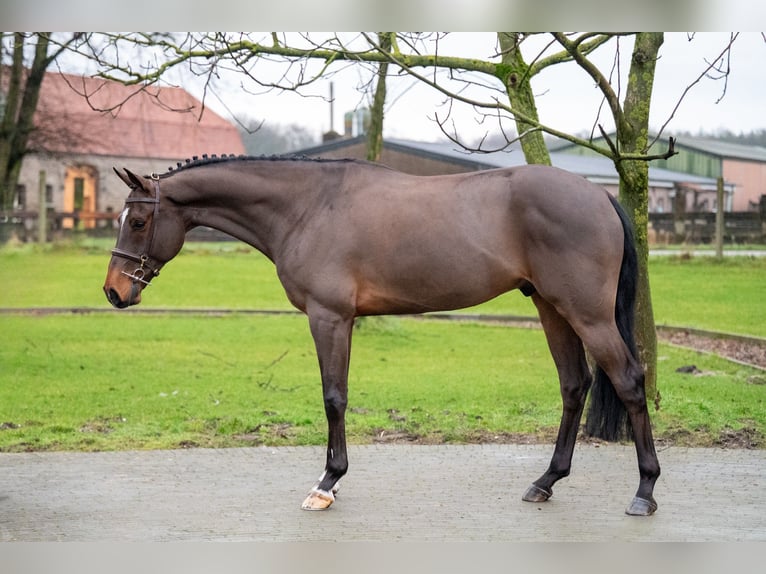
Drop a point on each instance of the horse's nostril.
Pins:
(114, 298)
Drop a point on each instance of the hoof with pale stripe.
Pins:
(318, 500)
(536, 494)
(641, 507)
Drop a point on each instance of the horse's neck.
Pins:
(260, 209)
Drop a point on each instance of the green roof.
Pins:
(711, 146)
(723, 149)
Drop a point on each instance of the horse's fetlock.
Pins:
(334, 472)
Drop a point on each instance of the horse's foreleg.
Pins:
(332, 337)
(574, 376)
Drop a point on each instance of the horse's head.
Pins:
(151, 234)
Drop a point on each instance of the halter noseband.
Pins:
(140, 272)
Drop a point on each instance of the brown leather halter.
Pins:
(139, 274)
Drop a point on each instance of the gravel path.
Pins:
(747, 350)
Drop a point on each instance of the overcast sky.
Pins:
(566, 97)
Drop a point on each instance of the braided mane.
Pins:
(197, 161)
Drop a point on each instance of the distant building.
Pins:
(78, 141)
(743, 168)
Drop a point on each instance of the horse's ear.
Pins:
(132, 180)
(123, 177)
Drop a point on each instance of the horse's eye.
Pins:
(138, 224)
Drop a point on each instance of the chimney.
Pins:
(331, 134)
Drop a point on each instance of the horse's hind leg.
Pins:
(626, 375)
(574, 377)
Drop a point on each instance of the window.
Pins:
(79, 193)
(21, 197)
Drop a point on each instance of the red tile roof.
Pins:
(153, 123)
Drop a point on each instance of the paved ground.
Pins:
(393, 492)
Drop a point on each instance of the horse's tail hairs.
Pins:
(607, 417)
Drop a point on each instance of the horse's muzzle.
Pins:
(116, 299)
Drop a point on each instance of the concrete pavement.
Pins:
(392, 492)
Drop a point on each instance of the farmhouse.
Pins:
(86, 126)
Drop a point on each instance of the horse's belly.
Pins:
(421, 293)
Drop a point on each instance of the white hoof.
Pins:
(318, 500)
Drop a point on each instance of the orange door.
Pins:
(80, 197)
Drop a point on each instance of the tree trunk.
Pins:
(632, 136)
(7, 128)
(375, 135)
(514, 73)
(18, 119)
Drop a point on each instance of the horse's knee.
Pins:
(573, 393)
(335, 403)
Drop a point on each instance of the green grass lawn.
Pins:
(727, 295)
(122, 380)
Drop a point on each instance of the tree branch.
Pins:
(618, 157)
(585, 48)
(712, 65)
(612, 99)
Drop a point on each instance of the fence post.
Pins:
(42, 211)
(719, 219)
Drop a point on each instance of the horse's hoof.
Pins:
(318, 500)
(641, 507)
(536, 494)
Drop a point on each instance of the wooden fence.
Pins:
(739, 227)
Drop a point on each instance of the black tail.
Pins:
(607, 418)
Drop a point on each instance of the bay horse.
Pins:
(351, 238)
